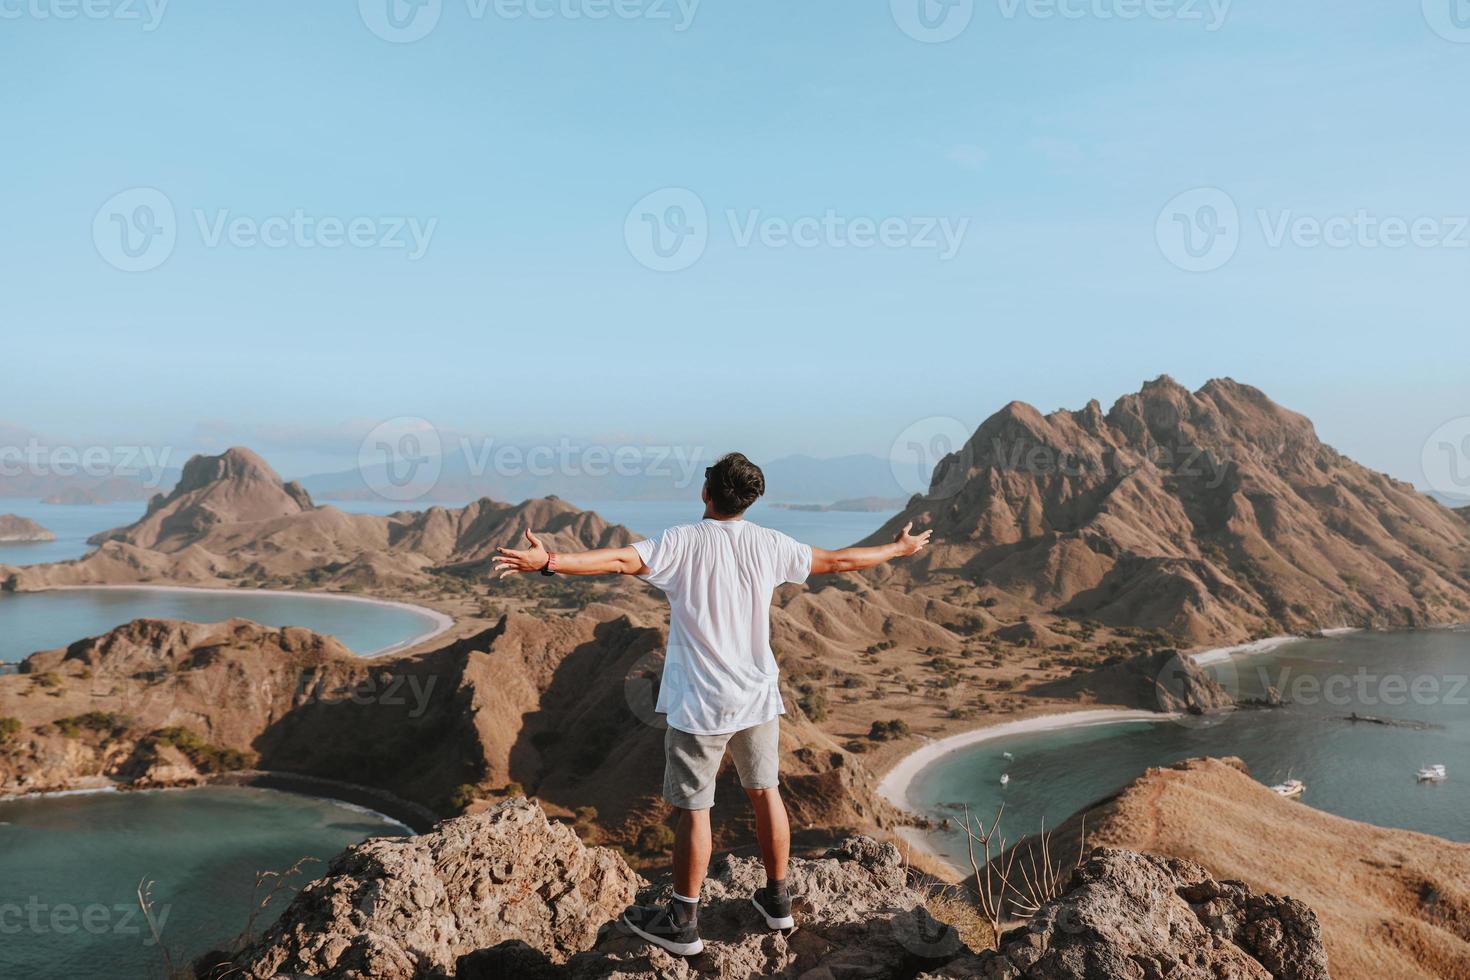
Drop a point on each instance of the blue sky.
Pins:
(519, 147)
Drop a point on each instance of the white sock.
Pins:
(686, 901)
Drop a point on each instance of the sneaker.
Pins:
(775, 908)
(656, 923)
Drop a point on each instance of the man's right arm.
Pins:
(826, 562)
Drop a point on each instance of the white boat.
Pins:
(1290, 789)
(1005, 777)
(1433, 774)
(1007, 755)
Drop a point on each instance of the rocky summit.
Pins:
(1216, 515)
(509, 895)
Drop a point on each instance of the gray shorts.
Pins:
(691, 762)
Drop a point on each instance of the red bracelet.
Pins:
(551, 562)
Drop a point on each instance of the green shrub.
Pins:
(9, 728)
(883, 731)
(655, 838)
(207, 757)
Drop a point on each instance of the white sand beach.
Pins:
(895, 784)
(441, 621)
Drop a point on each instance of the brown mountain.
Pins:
(1215, 515)
(232, 517)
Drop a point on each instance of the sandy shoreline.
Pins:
(895, 784)
(443, 622)
(357, 799)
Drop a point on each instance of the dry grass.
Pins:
(956, 908)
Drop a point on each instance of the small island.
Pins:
(77, 497)
(863, 505)
(15, 529)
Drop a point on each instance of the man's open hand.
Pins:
(910, 544)
(510, 562)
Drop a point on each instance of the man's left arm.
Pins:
(599, 561)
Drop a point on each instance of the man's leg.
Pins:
(691, 852)
(772, 829)
(757, 753)
(691, 764)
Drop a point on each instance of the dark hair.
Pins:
(734, 483)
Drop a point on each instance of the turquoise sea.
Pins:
(1354, 769)
(70, 867)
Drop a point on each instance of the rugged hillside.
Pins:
(231, 518)
(506, 894)
(15, 528)
(1392, 903)
(1215, 515)
(556, 705)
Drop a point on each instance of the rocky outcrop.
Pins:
(506, 895)
(1162, 680)
(1139, 915)
(232, 520)
(1391, 903)
(1216, 515)
(403, 909)
(16, 529)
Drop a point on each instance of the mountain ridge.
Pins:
(1217, 515)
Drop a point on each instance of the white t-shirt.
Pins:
(719, 673)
